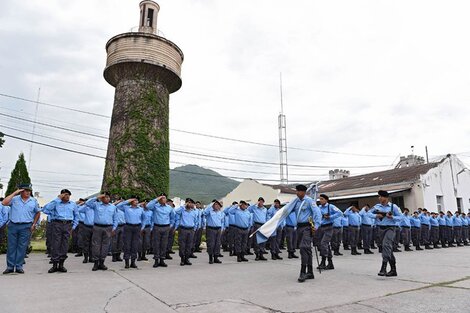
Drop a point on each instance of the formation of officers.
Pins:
(130, 229)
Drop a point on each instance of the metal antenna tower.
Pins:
(34, 129)
(284, 172)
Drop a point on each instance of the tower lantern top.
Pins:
(148, 16)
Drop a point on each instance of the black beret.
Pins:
(234, 202)
(65, 191)
(324, 197)
(383, 193)
(169, 200)
(189, 200)
(25, 186)
(277, 201)
(217, 203)
(261, 199)
(163, 195)
(301, 188)
(199, 202)
(107, 194)
(243, 202)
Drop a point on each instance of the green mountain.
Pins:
(199, 183)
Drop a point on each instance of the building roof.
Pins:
(389, 177)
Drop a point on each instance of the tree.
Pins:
(19, 175)
(1, 139)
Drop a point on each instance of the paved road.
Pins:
(428, 281)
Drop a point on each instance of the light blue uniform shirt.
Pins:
(259, 214)
(449, 221)
(148, 218)
(186, 218)
(338, 222)
(306, 208)
(121, 218)
(457, 222)
(229, 218)
(386, 221)
(332, 210)
(214, 218)
(291, 219)
(415, 222)
(4, 214)
(88, 214)
(464, 220)
(425, 219)
(132, 215)
(433, 222)
(442, 220)
(366, 218)
(105, 214)
(163, 214)
(62, 211)
(345, 221)
(271, 212)
(23, 211)
(354, 218)
(405, 222)
(242, 218)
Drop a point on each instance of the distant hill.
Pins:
(199, 183)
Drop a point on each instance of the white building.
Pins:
(250, 190)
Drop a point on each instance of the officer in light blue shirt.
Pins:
(355, 221)
(23, 216)
(276, 237)
(457, 226)
(465, 234)
(163, 223)
(3, 220)
(449, 229)
(345, 224)
(425, 228)
(366, 229)
(146, 235)
(105, 222)
(214, 218)
(387, 215)
(201, 225)
(260, 215)
(230, 231)
(415, 223)
(324, 234)
(186, 223)
(291, 235)
(434, 232)
(442, 229)
(308, 215)
(405, 233)
(86, 231)
(64, 215)
(337, 237)
(242, 222)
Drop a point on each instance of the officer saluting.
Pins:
(215, 223)
(387, 215)
(64, 215)
(186, 223)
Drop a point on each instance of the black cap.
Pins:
(199, 202)
(261, 199)
(324, 197)
(25, 186)
(383, 193)
(169, 200)
(65, 191)
(301, 188)
(106, 193)
(234, 202)
(217, 203)
(277, 201)
(243, 202)
(81, 200)
(189, 200)
(163, 194)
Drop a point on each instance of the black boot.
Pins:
(96, 266)
(243, 258)
(156, 263)
(292, 255)
(418, 248)
(85, 258)
(79, 254)
(101, 265)
(278, 257)
(168, 256)
(303, 274)
(143, 258)
(239, 258)
(126, 263)
(393, 271)
(380, 249)
(114, 258)
(310, 272)
(248, 252)
(216, 260)
(436, 246)
(186, 261)
(61, 267)
(428, 247)
(133, 265)
(407, 248)
(273, 256)
(53, 269)
(182, 263)
(346, 247)
(367, 251)
(330, 265)
(383, 269)
(192, 256)
(261, 257)
(211, 259)
(337, 253)
(118, 257)
(162, 263)
(257, 257)
(322, 265)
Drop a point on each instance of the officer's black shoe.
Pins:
(396, 250)
(293, 256)
(139, 257)
(85, 258)
(19, 271)
(96, 266)
(257, 257)
(337, 253)
(459, 244)
(407, 248)
(322, 265)
(367, 251)
(273, 256)
(383, 269)
(444, 246)
(303, 274)
(231, 253)
(346, 248)
(168, 256)
(220, 255)
(278, 256)
(249, 253)
(192, 256)
(428, 247)
(162, 263)
(310, 272)
(182, 263)
(114, 258)
(373, 247)
(451, 245)
(61, 267)
(8, 271)
(380, 249)
(133, 265)
(330, 265)
(211, 259)
(126, 263)
(53, 269)
(118, 257)
(78, 254)
(436, 246)
(101, 265)
(359, 247)
(393, 271)
(356, 253)
(110, 254)
(282, 248)
(143, 258)
(244, 259)
(261, 257)
(239, 258)
(418, 248)
(50, 262)
(186, 262)
(171, 252)
(216, 260)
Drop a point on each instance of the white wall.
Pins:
(250, 190)
(438, 181)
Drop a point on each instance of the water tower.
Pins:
(145, 69)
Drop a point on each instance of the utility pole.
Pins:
(34, 129)
(284, 173)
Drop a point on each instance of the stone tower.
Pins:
(144, 68)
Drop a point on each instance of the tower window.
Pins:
(150, 17)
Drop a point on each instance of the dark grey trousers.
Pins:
(354, 235)
(275, 241)
(213, 241)
(425, 234)
(100, 241)
(241, 239)
(145, 240)
(458, 234)
(197, 238)
(336, 238)
(291, 238)
(117, 241)
(465, 233)
(416, 236)
(259, 247)
(345, 236)
(185, 242)
(48, 237)
(60, 240)
(366, 231)
(442, 234)
(304, 236)
(405, 236)
(388, 236)
(131, 241)
(324, 235)
(84, 240)
(171, 240)
(434, 234)
(160, 241)
(231, 232)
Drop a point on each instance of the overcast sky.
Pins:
(360, 77)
